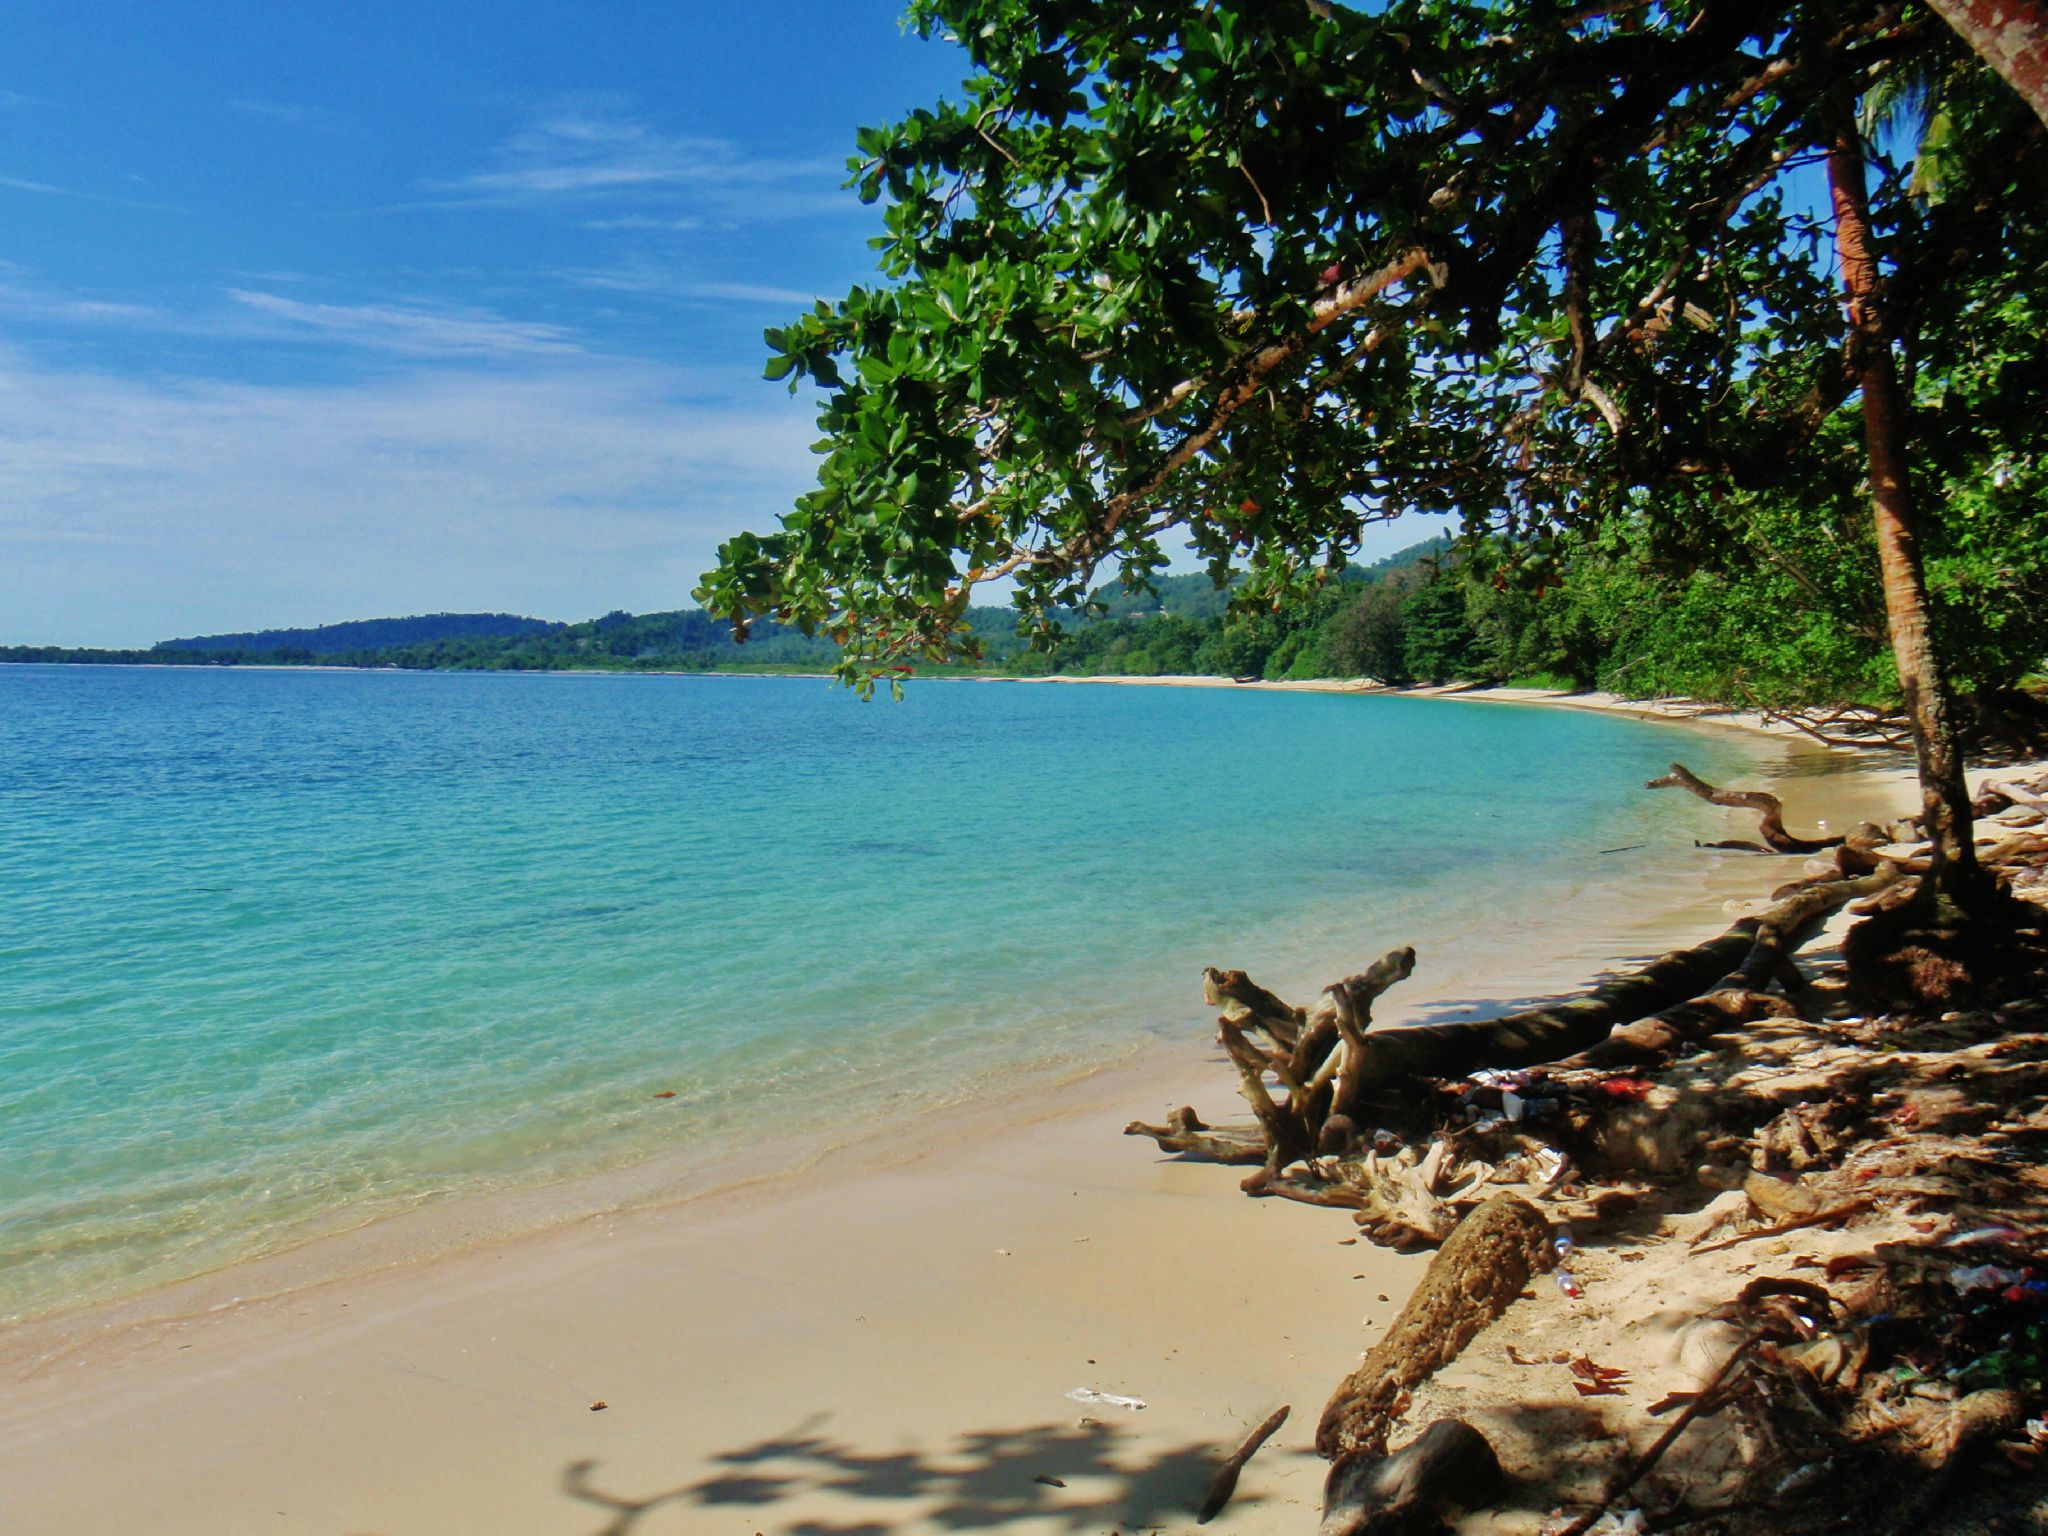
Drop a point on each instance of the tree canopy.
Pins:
(1262, 273)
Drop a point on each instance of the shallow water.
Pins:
(281, 951)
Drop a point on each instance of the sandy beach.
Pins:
(888, 1340)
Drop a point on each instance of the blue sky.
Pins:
(318, 311)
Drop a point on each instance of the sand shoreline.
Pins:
(799, 1352)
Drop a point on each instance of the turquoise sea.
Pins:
(283, 951)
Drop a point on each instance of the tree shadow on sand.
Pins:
(1059, 1477)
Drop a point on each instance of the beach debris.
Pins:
(666, 1093)
(1638, 1467)
(1986, 1277)
(1624, 1522)
(599, 1406)
(1224, 1483)
(1635, 1089)
(2004, 1237)
(1049, 1480)
(1918, 1134)
(1106, 1399)
(1598, 1380)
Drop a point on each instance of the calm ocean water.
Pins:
(284, 950)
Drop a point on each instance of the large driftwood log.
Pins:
(1479, 1271)
(1769, 808)
(1663, 1036)
(1327, 1072)
(1538, 1035)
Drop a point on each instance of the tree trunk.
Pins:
(1954, 879)
(2009, 35)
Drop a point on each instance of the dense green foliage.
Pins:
(1260, 274)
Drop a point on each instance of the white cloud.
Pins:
(132, 510)
(288, 114)
(46, 189)
(751, 293)
(29, 301)
(416, 330)
(641, 221)
(662, 283)
(582, 154)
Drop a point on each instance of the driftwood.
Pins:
(1185, 1132)
(1769, 808)
(1400, 1495)
(1844, 726)
(1224, 1483)
(1481, 1268)
(1663, 1036)
(1319, 1071)
(1319, 1079)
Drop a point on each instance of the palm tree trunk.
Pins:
(1944, 794)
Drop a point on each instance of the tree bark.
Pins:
(1944, 794)
(2009, 35)
(1475, 1277)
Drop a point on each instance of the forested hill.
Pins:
(1806, 628)
(368, 634)
(1195, 596)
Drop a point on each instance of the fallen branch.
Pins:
(1185, 1132)
(1769, 808)
(1224, 1484)
(1828, 1217)
(1330, 1069)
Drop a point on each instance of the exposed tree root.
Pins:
(1185, 1132)
(1921, 955)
